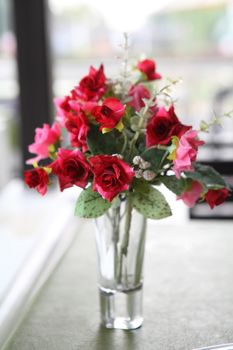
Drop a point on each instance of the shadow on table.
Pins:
(115, 339)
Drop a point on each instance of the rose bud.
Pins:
(148, 67)
(137, 94)
(191, 196)
(216, 197)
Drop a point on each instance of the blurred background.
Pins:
(59, 39)
(46, 46)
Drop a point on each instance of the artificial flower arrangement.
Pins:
(123, 141)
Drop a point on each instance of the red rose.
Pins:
(65, 106)
(109, 114)
(216, 197)
(137, 93)
(71, 168)
(78, 127)
(37, 178)
(148, 67)
(111, 175)
(162, 126)
(93, 85)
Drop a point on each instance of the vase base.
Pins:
(121, 309)
(122, 323)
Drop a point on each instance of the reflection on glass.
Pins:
(8, 92)
(222, 347)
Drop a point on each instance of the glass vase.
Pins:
(120, 241)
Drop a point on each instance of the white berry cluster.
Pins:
(142, 170)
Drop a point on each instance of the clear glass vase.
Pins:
(120, 241)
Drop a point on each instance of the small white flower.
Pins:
(118, 155)
(148, 175)
(137, 160)
(138, 173)
(144, 165)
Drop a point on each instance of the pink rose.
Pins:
(186, 152)
(71, 168)
(137, 93)
(148, 67)
(111, 175)
(44, 138)
(192, 195)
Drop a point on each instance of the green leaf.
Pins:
(109, 143)
(208, 176)
(155, 157)
(204, 126)
(175, 185)
(152, 204)
(141, 185)
(90, 204)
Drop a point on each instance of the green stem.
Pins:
(116, 231)
(163, 159)
(140, 254)
(125, 142)
(140, 126)
(125, 241)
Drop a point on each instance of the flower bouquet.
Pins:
(124, 141)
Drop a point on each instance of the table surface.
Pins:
(188, 295)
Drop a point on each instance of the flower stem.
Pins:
(125, 142)
(125, 241)
(116, 232)
(140, 125)
(140, 254)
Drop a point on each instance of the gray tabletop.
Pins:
(188, 295)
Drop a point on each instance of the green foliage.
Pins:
(140, 185)
(109, 143)
(90, 204)
(205, 127)
(155, 156)
(207, 176)
(134, 123)
(151, 203)
(129, 112)
(177, 186)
